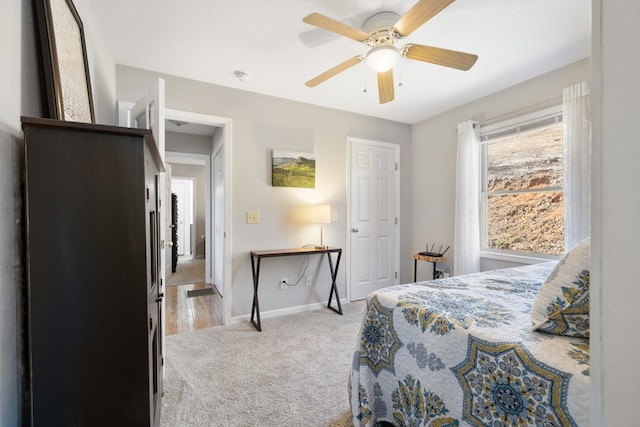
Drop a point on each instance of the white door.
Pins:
(166, 212)
(218, 217)
(149, 113)
(373, 216)
(183, 188)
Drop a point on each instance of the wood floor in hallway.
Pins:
(189, 313)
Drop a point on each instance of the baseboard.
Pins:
(284, 311)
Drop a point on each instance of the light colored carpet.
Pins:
(190, 270)
(293, 373)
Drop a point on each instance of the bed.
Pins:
(461, 351)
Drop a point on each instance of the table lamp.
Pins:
(321, 214)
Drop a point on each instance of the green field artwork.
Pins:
(293, 169)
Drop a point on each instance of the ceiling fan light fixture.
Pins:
(382, 58)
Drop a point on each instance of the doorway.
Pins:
(222, 144)
(215, 241)
(182, 188)
(192, 300)
(188, 216)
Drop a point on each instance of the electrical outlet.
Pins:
(283, 283)
(309, 280)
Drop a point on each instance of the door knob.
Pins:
(355, 229)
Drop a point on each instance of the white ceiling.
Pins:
(190, 128)
(208, 40)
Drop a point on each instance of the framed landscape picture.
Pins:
(293, 169)
(65, 66)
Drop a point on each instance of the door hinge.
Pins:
(396, 274)
(396, 165)
(396, 220)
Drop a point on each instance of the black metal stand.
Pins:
(256, 256)
(431, 259)
(334, 287)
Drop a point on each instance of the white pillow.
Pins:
(562, 304)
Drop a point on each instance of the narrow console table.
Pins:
(256, 257)
(431, 259)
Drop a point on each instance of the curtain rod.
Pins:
(521, 112)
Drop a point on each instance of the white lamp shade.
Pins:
(321, 214)
(382, 58)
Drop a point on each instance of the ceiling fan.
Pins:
(380, 32)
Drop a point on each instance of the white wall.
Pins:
(434, 153)
(615, 341)
(101, 65)
(261, 124)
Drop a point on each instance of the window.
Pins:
(522, 199)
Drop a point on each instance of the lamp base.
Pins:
(321, 247)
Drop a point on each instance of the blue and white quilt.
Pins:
(460, 351)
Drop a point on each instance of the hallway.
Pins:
(191, 304)
(191, 307)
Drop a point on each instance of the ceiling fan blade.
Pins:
(333, 71)
(420, 13)
(435, 55)
(329, 24)
(385, 86)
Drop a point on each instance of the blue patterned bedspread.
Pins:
(460, 352)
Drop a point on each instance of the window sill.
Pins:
(521, 259)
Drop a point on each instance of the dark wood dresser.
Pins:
(93, 297)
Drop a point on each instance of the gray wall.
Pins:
(19, 92)
(20, 95)
(187, 143)
(261, 124)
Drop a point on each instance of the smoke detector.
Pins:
(241, 75)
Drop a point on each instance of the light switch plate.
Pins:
(253, 217)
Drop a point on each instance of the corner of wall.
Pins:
(11, 362)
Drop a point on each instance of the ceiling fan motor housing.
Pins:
(379, 26)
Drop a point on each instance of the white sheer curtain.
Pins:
(466, 242)
(576, 110)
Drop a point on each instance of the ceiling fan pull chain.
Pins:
(364, 81)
